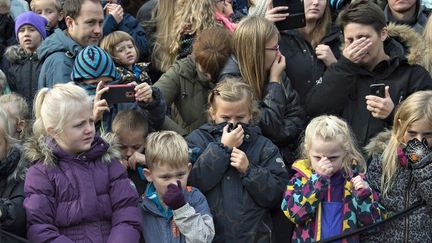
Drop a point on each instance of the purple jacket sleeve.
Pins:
(40, 206)
(126, 218)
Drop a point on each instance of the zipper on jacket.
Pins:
(407, 193)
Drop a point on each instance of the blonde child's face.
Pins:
(125, 53)
(47, 9)
(29, 38)
(78, 132)
(230, 111)
(164, 175)
(419, 129)
(326, 152)
(131, 142)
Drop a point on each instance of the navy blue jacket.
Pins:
(240, 203)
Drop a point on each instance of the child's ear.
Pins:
(211, 112)
(148, 175)
(189, 167)
(51, 132)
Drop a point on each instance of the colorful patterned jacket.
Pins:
(302, 204)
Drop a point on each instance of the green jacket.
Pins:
(185, 90)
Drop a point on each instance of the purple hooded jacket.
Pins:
(84, 198)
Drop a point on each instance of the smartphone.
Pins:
(119, 93)
(296, 18)
(377, 89)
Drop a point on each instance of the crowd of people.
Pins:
(229, 128)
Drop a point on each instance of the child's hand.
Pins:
(136, 158)
(234, 138)
(116, 11)
(100, 106)
(359, 183)
(277, 67)
(144, 93)
(324, 167)
(239, 160)
(174, 197)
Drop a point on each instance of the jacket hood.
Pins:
(410, 39)
(378, 143)
(45, 149)
(59, 41)
(16, 54)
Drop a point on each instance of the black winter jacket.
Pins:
(303, 67)
(12, 172)
(281, 116)
(240, 203)
(345, 85)
(23, 72)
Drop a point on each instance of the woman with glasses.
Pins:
(258, 61)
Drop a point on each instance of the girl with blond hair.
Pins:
(401, 170)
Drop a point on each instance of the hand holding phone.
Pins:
(296, 17)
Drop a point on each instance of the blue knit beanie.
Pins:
(93, 62)
(32, 19)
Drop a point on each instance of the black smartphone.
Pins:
(296, 18)
(377, 89)
(119, 93)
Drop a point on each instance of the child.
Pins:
(25, 66)
(93, 70)
(401, 170)
(51, 10)
(76, 189)
(240, 171)
(171, 211)
(117, 19)
(328, 191)
(132, 129)
(123, 50)
(12, 171)
(17, 110)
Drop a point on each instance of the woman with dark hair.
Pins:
(369, 57)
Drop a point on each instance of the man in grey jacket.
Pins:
(84, 19)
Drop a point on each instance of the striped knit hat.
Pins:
(93, 62)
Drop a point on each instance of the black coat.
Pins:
(23, 73)
(303, 67)
(12, 170)
(345, 85)
(281, 116)
(240, 203)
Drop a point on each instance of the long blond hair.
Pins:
(416, 107)
(190, 18)
(427, 55)
(163, 17)
(332, 128)
(250, 39)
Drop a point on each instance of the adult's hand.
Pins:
(379, 107)
(355, 50)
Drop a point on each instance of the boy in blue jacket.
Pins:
(171, 211)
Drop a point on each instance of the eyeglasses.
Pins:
(276, 48)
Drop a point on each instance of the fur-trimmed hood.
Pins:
(378, 143)
(410, 39)
(16, 54)
(45, 149)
